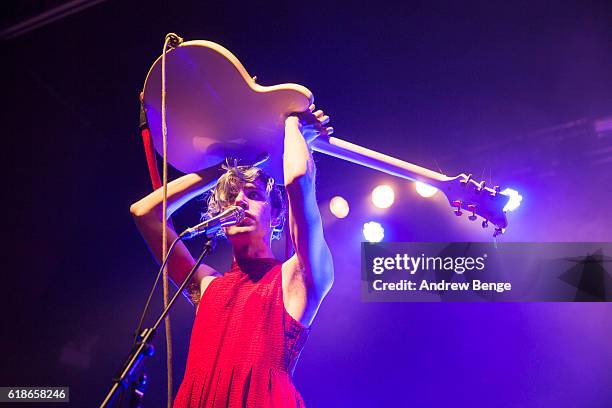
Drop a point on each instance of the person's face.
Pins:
(258, 220)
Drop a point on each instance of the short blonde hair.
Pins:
(231, 183)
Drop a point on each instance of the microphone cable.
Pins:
(172, 40)
(155, 283)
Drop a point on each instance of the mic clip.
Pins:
(174, 40)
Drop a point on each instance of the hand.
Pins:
(311, 123)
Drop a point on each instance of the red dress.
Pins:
(244, 345)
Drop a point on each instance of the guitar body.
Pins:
(214, 109)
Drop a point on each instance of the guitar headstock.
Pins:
(474, 199)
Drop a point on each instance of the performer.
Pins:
(252, 322)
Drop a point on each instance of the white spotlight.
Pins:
(515, 199)
(339, 207)
(373, 231)
(425, 190)
(383, 196)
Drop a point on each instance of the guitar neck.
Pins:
(369, 158)
(462, 192)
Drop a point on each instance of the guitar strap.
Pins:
(147, 142)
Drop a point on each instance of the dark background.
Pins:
(517, 93)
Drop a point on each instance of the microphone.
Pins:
(230, 216)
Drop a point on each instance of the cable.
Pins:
(171, 40)
(159, 274)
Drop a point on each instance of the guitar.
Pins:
(215, 109)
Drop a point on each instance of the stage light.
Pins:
(339, 207)
(383, 196)
(373, 231)
(425, 190)
(515, 199)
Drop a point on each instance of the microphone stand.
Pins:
(143, 347)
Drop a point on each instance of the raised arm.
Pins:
(309, 274)
(147, 214)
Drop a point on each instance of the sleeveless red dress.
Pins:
(244, 345)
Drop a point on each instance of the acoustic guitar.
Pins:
(215, 109)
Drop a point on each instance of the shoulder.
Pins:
(202, 279)
(206, 281)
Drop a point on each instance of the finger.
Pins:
(311, 107)
(318, 113)
(324, 120)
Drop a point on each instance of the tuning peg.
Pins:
(495, 191)
(472, 208)
(466, 180)
(457, 204)
(498, 231)
(485, 224)
(255, 78)
(481, 186)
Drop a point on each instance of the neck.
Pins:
(251, 250)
